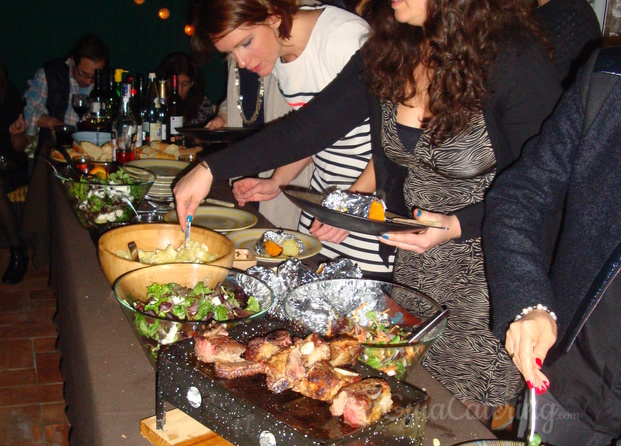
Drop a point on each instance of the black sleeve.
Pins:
(526, 89)
(338, 109)
(518, 206)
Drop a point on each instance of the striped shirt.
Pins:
(337, 35)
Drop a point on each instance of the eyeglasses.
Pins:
(83, 74)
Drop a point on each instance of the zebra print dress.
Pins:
(467, 359)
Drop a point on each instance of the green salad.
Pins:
(177, 303)
(103, 199)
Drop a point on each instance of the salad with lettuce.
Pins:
(180, 305)
(104, 198)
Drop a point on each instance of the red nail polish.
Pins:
(538, 362)
(547, 384)
(537, 391)
(529, 384)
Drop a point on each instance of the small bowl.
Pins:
(318, 306)
(151, 236)
(99, 205)
(103, 138)
(153, 331)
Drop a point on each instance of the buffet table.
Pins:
(109, 382)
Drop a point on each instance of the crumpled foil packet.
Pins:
(277, 237)
(350, 203)
(320, 305)
(292, 273)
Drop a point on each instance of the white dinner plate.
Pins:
(247, 238)
(163, 169)
(218, 218)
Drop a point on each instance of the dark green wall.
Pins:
(33, 31)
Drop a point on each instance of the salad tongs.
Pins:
(428, 325)
(79, 173)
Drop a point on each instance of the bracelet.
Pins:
(527, 310)
(204, 165)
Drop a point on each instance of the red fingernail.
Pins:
(537, 391)
(543, 390)
(538, 362)
(547, 384)
(529, 384)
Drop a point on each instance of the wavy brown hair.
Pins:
(215, 18)
(457, 44)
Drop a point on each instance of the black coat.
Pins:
(579, 174)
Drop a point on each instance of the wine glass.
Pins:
(79, 102)
(100, 113)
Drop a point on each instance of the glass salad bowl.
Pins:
(379, 314)
(109, 197)
(161, 314)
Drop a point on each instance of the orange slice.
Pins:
(100, 172)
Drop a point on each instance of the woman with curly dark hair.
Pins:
(453, 89)
(196, 105)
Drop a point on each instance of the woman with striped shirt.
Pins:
(304, 49)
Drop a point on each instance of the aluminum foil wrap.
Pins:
(292, 274)
(350, 203)
(339, 269)
(319, 305)
(277, 237)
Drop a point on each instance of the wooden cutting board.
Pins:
(180, 430)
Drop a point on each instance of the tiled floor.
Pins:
(32, 408)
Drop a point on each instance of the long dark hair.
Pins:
(457, 44)
(182, 63)
(213, 18)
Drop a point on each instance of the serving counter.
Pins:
(109, 382)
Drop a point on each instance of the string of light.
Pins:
(164, 13)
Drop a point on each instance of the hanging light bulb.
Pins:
(139, 2)
(164, 13)
(189, 29)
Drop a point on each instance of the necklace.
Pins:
(240, 98)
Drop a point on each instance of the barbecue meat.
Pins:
(285, 369)
(344, 351)
(323, 382)
(363, 402)
(216, 346)
(313, 349)
(236, 369)
(263, 348)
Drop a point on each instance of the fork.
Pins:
(188, 227)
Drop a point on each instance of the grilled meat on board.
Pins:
(263, 348)
(363, 402)
(237, 369)
(216, 346)
(323, 382)
(344, 351)
(285, 369)
(313, 349)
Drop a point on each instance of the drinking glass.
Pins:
(99, 114)
(79, 102)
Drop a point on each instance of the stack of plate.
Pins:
(166, 171)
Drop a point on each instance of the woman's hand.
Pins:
(528, 341)
(190, 191)
(327, 233)
(428, 238)
(255, 189)
(216, 123)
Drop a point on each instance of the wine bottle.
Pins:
(154, 131)
(175, 114)
(98, 103)
(113, 97)
(124, 129)
(163, 108)
(134, 106)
